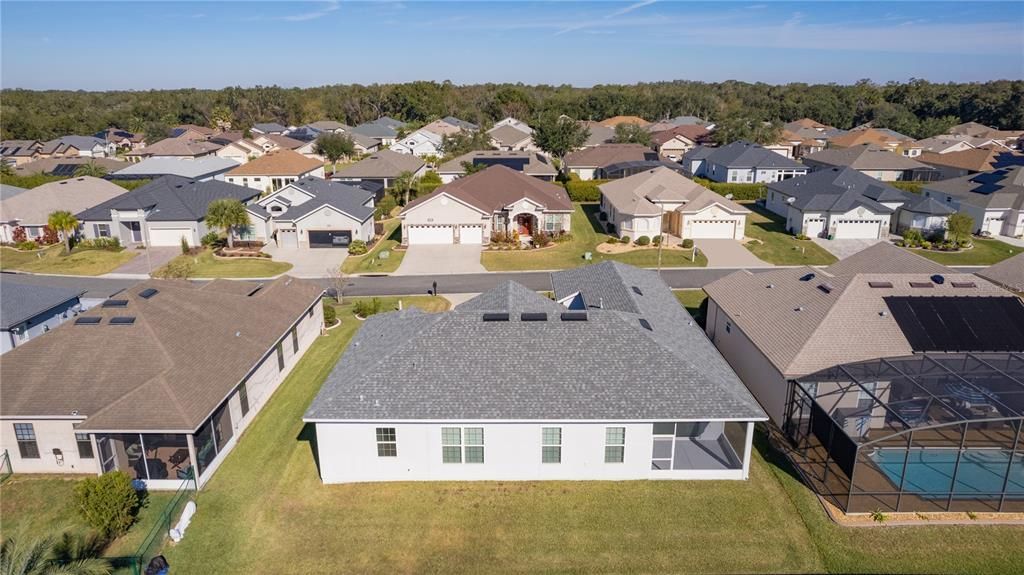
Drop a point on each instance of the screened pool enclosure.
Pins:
(928, 432)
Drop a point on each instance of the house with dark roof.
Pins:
(591, 163)
(28, 311)
(994, 199)
(75, 146)
(384, 130)
(268, 128)
(162, 212)
(659, 402)
(740, 162)
(17, 152)
(531, 163)
(123, 139)
(872, 160)
(158, 382)
(383, 167)
(843, 203)
(313, 213)
(497, 199)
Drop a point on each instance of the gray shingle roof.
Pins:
(455, 365)
(205, 167)
(839, 189)
(743, 154)
(375, 130)
(269, 127)
(349, 199)
(999, 189)
(176, 198)
(865, 157)
(1009, 273)
(23, 301)
(8, 191)
(460, 123)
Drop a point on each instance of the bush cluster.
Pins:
(541, 238)
(740, 192)
(384, 208)
(109, 244)
(357, 248)
(643, 241)
(330, 314)
(584, 191)
(687, 243)
(109, 503)
(212, 240)
(367, 307)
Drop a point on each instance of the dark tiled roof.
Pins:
(23, 301)
(743, 154)
(839, 189)
(498, 186)
(176, 198)
(350, 199)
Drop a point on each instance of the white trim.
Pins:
(322, 206)
(562, 420)
(444, 194)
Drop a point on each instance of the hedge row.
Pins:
(912, 187)
(740, 192)
(584, 191)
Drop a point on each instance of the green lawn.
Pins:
(207, 266)
(693, 300)
(39, 505)
(586, 235)
(390, 303)
(777, 245)
(52, 261)
(984, 253)
(371, 263)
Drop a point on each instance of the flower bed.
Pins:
(240, 252)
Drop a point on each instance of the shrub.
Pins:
(584, 191)
(878, 517)
(49, 236)
(912, 237)
(625, 240)
(27, 245)
(924, 244)
(802, 236)
(109, 503)
(688, 243)
(211, 239)
(109, 244)
(541, 238)
(612, 240)
(357, 248)
(176, 269)
(656, 240)
(19, 235)
(367, 307)
(385, 207)
(740, 192)
(643, 241)
(184, 245)
(330, 314)
(912, 187)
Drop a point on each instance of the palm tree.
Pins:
(227, 214)
(405, 182)
(63, 554)
(91, 169)
(65, 223)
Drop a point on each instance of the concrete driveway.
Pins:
(308, 262)
(845, 248)
(441, 259)
(158, 256)
(728, 254)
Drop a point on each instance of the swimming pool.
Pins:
(930, 471)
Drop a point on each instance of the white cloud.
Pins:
(327, 9)
(630, 8)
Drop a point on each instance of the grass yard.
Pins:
(390, 303)
(52, 261)
(370, 262)
(207, 266)
(984, 253)
(693, 300)
(586, 235)
(778, 246)
(39, 505)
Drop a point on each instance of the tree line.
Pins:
(917, 107)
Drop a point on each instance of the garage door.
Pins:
(329, 238)
(856, 229)
(712, 229)
(471, 234)
(813, 227)
(431, 235)
(994, 226)
(287, 239)
(169, 236)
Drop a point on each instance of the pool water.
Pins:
(930, 471)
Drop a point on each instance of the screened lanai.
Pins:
(928, 432)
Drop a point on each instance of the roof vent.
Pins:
(807, 277)
(770, 286)
(938, 279)
(646, 324)
(122, 320)
(636, 290)
(921, 284)
(880, 284)
(574, 316)
(148, 293)
(883, 313)
(963, 284)
(801, 308)
(495, 317)
(92, 320)
(533, 316)
(115, 303)
(827, 288)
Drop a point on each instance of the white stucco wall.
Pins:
(50, 434)
(442, 210)
(327, 218)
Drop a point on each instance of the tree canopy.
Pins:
(559, 135)
(227, 214)
(632, 134)
(335, 147)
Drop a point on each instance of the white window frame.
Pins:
(459, 442)
(387, 441)
(615, 445)
(551, 443)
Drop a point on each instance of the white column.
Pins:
(749, 445)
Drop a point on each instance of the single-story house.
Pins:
(658, 403)
(674, 142)
(268, 128)
(741, 162)
(241, 150)
(882, 137)
(777, 326)
(17, 152)
(597, 134)
(944, 144)
(955, 164)
(843, 203)
(420, 143)
(84, 146)
(205, 168)
(994, 199)
(28, 311)
(66, 166)
(158, 383)
(161, 212)
(181, 147)
(664, 201)
(497, 199)
(31, 209)
(510, 134)
(312, 213)
(530, 163)
(364, 144)
(384, 130)
(123, 139)
(1009, 138)
(330, 126)
(191, 132)
(271, 142)
(383, 167)
(872, 160)
(273, 170)
(1008, 273)
(589, 163)
(450, 125)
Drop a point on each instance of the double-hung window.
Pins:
(387, 442)
(26, 436)
(551, 445)
(462, 445)
(84, 445)
(614, 444)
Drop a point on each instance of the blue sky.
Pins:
(148, 44)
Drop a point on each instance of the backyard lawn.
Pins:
(371, 262)
(693, 300)
(777, 245)
(984, 253)
(204, 265)
(390, 303)
(52, 261)
(586, 236)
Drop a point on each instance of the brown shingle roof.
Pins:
(1008, 273)
(187, 350)
(491, 189)
(977, 160)
(277, 163)
(382, 164)
(696, 134)
(607, 154)
(177, 147)
(508, 135)
(858, 137)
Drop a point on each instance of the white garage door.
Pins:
(994, 226)
(813, 227)
(857, 229)
(287, 239)
(169, 236)
(712, 229)
(431, 235)
(471, 235)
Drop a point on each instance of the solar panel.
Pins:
(115, 303)
(148, 293)
(574, 316)
(64, 170)
(533, 316)
(495, 317)
(122, 320)
(87, 321)
(517, 164)
(948, 324)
